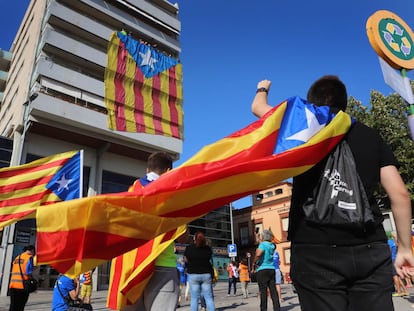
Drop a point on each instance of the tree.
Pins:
(388, 114)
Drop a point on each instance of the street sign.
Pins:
(392, 39)
(397, 82)
(232, 250)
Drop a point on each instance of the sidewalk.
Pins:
(41, 300)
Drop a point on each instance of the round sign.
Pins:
(392, 39)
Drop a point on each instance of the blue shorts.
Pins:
(278, 277)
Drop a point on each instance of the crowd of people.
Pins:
(332, 267)
(196, 277)
(66, 292)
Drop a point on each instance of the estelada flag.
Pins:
(143, 88)
(45, 181)
(77, 235)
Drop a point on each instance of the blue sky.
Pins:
(229, 45)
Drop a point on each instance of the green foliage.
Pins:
(388, 114)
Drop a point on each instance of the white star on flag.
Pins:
(63, 183)
(147, 60)
(313, 128)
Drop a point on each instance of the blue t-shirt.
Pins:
(266, 260)
(276, 260)
(183, 275)
(65, 285)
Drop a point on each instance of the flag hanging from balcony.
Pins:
(44, 181)
(75, 236)
(143, 88)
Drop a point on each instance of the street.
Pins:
(41, 300)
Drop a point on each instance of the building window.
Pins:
(284, 225)
(258, 230)
(114, 182)
(268, 194)
(259, 197)
(286, 254)
(244, 234)
(278, 191)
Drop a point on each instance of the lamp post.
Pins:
(231, 227)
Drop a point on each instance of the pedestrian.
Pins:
(231, 270)
(265, 270)
(86, 287)
(162, 290)
(22, 269)
(65, 287)
(244, 277)
(339, 268)
(198, 257)
(182, 271)
(278, 275)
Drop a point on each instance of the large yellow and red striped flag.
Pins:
(77, 235)
(23, 188)
(143, 88)
(131, 272)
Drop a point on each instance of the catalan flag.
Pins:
(143, 88)
(74, 236)
(131, 272)
(44, 181)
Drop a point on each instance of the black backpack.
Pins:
(339, 199)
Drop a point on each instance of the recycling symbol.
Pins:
(396, 38)
(392, 39)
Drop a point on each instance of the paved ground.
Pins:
(41, 300)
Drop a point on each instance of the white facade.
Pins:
(53, 97)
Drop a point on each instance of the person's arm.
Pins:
(257, 256)
(401, 210)
(74, 293)
(260, 105)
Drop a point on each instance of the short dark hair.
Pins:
(328, 91)
(29, 248)
(159, 162)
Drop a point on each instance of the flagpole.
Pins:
(81, 174)
(231, 225)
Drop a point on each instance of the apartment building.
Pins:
(52, 97)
